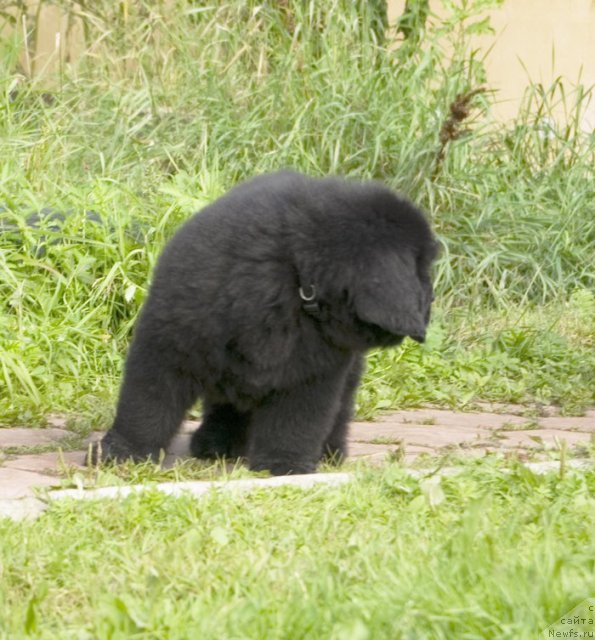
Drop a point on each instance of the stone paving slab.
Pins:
(410, 433)
(22, 508)
(23, 437)
(490, 420)
(48, 463)
(584, 423)
(179, 447)
(415, 434)
(15, 483)
(359, 449)
(543, 437)
(189, 426)
(446, 418)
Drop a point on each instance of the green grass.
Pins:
(530, 355)
(168, 108)
(489, 553)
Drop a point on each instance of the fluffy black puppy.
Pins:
(264, 304)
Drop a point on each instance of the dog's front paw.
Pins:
(115, 448)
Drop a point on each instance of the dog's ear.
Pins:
(390, 294)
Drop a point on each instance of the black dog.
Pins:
(263, 304)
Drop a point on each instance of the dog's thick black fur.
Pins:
(263, 305)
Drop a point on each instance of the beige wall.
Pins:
(55, 37)
(550, 38)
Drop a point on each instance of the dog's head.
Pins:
(381, 289)
(392, 293)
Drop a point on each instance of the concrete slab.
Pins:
(200, 487)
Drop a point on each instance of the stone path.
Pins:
(31, 458)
